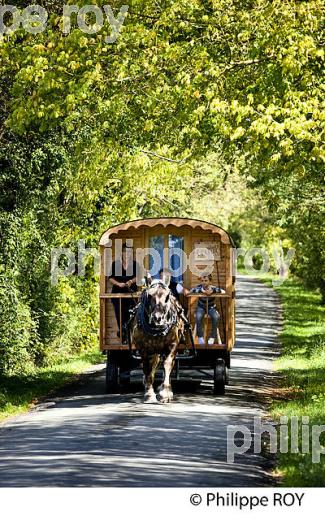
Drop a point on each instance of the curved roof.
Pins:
(164, 222)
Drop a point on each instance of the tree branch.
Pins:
(245, 63)
(168, 159)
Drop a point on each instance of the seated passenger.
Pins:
(123, 279)
(206, 305)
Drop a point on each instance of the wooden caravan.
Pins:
(187, 247)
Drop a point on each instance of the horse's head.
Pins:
(159, 302)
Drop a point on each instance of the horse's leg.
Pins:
(150, 364)
(165, 390)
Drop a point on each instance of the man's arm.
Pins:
(131, 282)
(121, 285)
(180, 289)
(219, 290)
(111, 278)
(136, 270)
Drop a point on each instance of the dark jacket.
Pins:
(119, 274)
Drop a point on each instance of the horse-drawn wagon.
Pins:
(133, 256)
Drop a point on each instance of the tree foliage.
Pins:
(191, 98)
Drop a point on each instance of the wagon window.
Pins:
(157, 243)
(174, 245)
(175, 258)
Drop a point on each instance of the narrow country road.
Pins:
(87, 438)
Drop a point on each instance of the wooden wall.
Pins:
(223, 277)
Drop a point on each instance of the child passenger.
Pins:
(206, 305)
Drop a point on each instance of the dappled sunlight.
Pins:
(88, 438)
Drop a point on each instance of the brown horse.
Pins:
(156, 331)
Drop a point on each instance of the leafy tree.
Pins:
(94, 133)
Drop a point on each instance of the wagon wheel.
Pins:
(219, 377)
(227, 363)
(226, 375)
(112, 373)
(125, 369)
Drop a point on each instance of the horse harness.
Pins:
(140, 313)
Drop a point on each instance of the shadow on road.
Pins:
(86, 438)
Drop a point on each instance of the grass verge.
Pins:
(302, 363)
(19, 392)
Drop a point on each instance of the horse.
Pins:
(156, 331)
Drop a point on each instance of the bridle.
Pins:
(144, 317)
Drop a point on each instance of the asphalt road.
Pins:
(87, 438)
